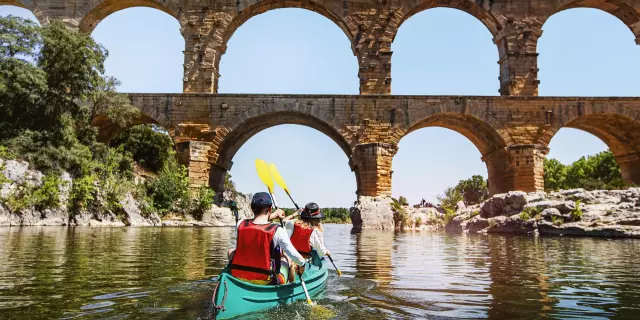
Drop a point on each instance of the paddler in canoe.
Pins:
(257, 258)
(253, 280)
(306, 232)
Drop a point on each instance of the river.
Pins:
(166, 273)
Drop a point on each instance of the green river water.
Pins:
(166, 273)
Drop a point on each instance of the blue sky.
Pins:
(439, 51)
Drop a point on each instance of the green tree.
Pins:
(474, 190)
(599, 171)
(46, 74)
(169, 192)
(149, 146)
(555, 175)
(449, 199)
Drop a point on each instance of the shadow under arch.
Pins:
(249, 10)
(93, 15)
(625, 12)
(255, 120)
(467, 6)
(620, 133)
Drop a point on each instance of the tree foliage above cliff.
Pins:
(149, 146)
(52, 84)
(599, 171)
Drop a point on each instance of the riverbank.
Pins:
(576, 212)
(19, 186)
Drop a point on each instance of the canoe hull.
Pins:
(239, 297)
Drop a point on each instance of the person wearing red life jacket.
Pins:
(257, 256)
(306, 232)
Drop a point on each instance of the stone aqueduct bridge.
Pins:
(512, 131)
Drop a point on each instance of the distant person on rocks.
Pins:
(257, 256)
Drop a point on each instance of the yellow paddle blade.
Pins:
(276, 176)
(264, 174)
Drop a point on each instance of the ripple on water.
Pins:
(166, 273)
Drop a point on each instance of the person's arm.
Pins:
(317, 243)
(281, 239)
(292, 216)
(289, 226)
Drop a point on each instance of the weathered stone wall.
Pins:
(511, 133)
(371, 26)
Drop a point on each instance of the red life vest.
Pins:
(254, 251)
(300, 238)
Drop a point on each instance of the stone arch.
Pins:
(468, 6)
(107, 130)
(149, 114)
(249, 9)
(623, 11)
(247, 124)
(618, 127)
(29, 5)
(92, 15)
(483, 133)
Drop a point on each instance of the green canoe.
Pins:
(234, 297)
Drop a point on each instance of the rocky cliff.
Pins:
(16, 177)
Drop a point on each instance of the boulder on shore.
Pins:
(576, 212)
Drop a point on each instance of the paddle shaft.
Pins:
(304, 287)
(275, 204)
(334, 265)
(290, 197)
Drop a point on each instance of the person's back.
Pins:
(256, 258)
(306, 234)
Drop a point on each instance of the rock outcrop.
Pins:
(17, 176)
(380, 213)
(576, 212)
(372, 213)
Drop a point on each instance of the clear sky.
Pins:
(439, 51)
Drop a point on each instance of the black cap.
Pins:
(312, 211)
(260, 201)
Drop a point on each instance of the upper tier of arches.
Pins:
(353, 18)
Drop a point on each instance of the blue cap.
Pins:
(261, 199)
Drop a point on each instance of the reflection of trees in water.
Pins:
(72, 265)
(556, 276)
(374, 255)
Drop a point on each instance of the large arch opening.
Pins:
(432, 55)
(449, 148)
(288, 51)
(145, 50)
(587, 52)
(594, 151)
(312, 158)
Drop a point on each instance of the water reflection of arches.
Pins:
(374, 254)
